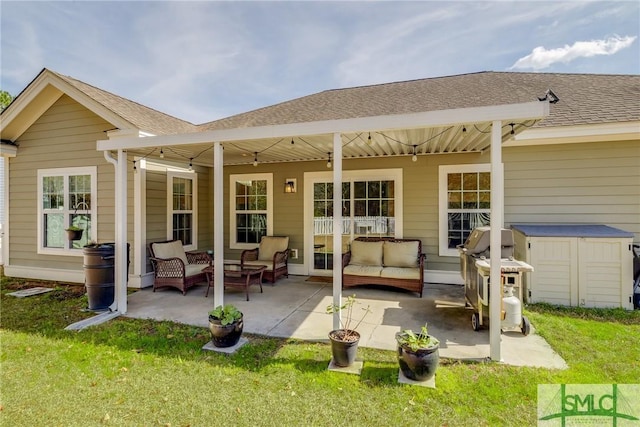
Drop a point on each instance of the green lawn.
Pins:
(131, 372)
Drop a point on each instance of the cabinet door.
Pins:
(605, 273)
(555, 278)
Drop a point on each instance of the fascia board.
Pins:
(26, 107)
(577, 134)
(511, 112)
(39, 96)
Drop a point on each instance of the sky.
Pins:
(202, 61)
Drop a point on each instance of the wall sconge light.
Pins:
(290, 185)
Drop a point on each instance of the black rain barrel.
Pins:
(99, 274)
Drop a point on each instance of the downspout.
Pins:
(120, 164)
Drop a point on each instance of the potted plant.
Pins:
(74, 232)
(225, 324)
(344, 341)
(418, 354)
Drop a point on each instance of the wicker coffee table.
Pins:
(237, 276)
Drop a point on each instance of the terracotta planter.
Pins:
(419, 365)
(74, 234)
(225, 335)
(344, 350)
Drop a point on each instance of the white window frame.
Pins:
(443, 211)
(194, 207)
(65, 173)
(233, 235)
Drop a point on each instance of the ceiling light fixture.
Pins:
(414, 158)
(255, 159)
(512, 130)
(329, 161)
(369, 139)
(191, 164)
(161, 153)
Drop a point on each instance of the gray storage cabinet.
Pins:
(576, 265)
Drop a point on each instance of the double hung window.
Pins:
(182, 206)
(66, 199)
(251, 209)
(465, 203)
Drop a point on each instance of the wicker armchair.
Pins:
(173, 267)
(272, 252)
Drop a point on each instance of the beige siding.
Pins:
(574, 183)
(587, 183)
(64, 136)
(420, 199)
(156, 208)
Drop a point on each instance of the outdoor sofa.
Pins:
(386, 261)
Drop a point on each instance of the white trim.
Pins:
(49, 87)
(5, 225)
(445, 277)
(42, 273)
(507, 112)
(7, 150)
(92, 171)
(141, 281)
(576, 134)
(311, 178)
(194, 208)
(443, 223)
(233, 244)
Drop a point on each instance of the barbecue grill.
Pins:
(475, 267)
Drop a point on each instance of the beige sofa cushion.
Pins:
(362, 270)
(170, 250)
(269, 245)
(193, 269)
(400, 254)
(366, 253)
(400, 273)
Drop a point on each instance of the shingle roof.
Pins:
(584, 99)
(144, 118)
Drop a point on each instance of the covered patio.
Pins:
(295, 308)
(477, 129)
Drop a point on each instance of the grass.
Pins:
(131, 372)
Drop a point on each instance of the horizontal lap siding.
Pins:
(64, 136)
(574, 183)
(420, 199)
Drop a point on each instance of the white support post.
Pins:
(218, 226)
(121, 233)
(497, 213)
(139, 219)
(337, 227)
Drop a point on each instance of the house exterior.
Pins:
(577, 160)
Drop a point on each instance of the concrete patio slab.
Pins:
(295, 308)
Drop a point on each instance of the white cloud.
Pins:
(541, 57)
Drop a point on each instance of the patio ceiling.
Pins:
(460, 138)
(426, 133)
